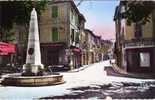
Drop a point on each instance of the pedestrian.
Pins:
(110, 61)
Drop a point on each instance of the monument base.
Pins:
(18, 80)
(32, 70)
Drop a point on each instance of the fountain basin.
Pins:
(18, 80)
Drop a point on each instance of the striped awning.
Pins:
(6, 48)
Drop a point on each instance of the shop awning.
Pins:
(6, 48)
(76, 50)
(61, 44)
(52, 46)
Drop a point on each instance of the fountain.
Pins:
(33, 71)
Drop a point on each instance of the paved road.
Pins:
(91, 82)
(100, 81)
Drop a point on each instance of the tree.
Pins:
(138, 11)
(17, 12)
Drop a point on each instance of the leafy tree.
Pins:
(17, 12)
(138, 11)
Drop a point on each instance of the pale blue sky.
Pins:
(99, 15)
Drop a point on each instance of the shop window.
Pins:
(144, 59)
(133, 59)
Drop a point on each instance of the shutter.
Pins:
(54, 34)
(54, 11)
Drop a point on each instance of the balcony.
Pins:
(139, 42)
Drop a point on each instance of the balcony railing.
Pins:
(139, 42)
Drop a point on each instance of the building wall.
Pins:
(92, 49)
(45, 26)
(131, 51)
(147, 30)
(74, 25)
(60, 22)
(128, 32)
(65, 22)
(132, 55)
(51, 53)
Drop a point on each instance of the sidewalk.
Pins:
(124, 73)
(79, 69)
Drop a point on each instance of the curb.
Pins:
(119, 70)
(80, 69)
(76, 70)
(128, 74)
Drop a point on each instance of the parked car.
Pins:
(58, 68)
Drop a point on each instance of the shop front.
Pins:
(76, 57)
(53, 54)
(140, 59)
(7, 51)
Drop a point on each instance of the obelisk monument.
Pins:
(33, 58)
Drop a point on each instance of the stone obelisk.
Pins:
(33, 58)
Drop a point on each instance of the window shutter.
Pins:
(54, 34)
(54, 11)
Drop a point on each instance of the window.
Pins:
(133, 59)
(72, 35)
(72, 14)
(76, 20)
(77, 38)
(54, 11)
(54, 34)
(138, 30)
(144, 59)
(62, 12)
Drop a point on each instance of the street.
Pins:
(91, 82)
(77, 49)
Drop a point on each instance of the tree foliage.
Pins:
(18, 12)
(138, 11)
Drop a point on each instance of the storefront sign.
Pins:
(76, 50)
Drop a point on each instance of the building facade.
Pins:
(93, 46)
(59, 34)
(83, 43)
(64, 40)
(98, 53)
(134, 47)
(106, 49)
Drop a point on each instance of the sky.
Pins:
(99, 16)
